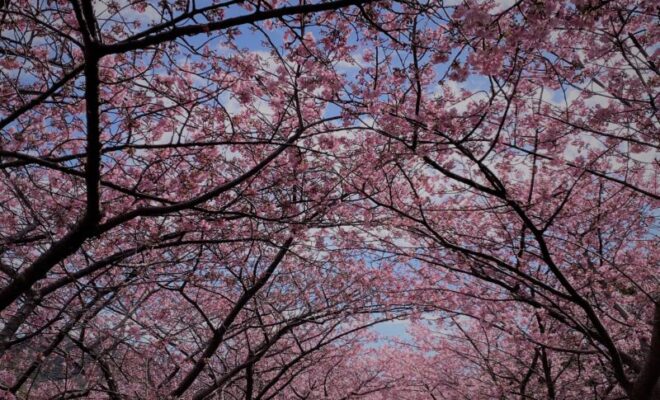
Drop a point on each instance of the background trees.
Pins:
(219, 199)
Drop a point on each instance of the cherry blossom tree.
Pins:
(223, 199)
(161, 186)
(523, 176)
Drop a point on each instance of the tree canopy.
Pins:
(227, 199)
